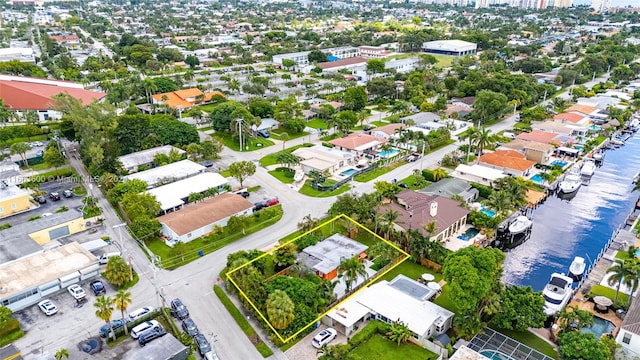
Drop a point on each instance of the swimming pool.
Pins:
(600, 327)
(488, 212)
(638, 252)
(495, 355)
(348, 172)
(469, 234)
(537, 178)
(388, 153)
(559, 163)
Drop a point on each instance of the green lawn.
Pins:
(410, 269)
(283, 174)
(385, 349)
(225, 173)
(317, 124)
(610, 293)
(443, 60)
(272, 159)
(207, 108)
(251, 143)
(309, 191)
(531, 340)
(622, 255)
(368, 176)
(379, 123)
(206, 128)
(276, 134)
(410, 180)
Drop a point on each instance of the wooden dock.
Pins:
(621, 240)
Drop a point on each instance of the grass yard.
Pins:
(206, 128)
(368, 176)
(410, 180)
(272, 159)
(317, 124)
(283, 174)
(531, 340)
(225, 173)
(379, 123)
(309, 191)
(276, 134)
(596, 290)
(385, 349)
(252, 143)
(410, 269)
(443, 60)
(207, 108)
(622, 255)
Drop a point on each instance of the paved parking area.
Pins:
(303, 350)
(73, 203)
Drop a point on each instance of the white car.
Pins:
(147, 325)
(76, 291)
(47, 307)
(138, 313)
(324, 337)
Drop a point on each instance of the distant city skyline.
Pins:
(614, 3)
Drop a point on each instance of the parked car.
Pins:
(151, 335)
(39, 153)
(272, 202)
(207, 164)
(244, 194)
(403, 185)
(47, 307)
(104, 258)
(115, 325)
(40, 199)
(144, 327)
(46, 214)
(202, 343)
(98, 288)
(262, 134)
(76, 291)
(54, 196)
(138, 313)
(324, 337)
(178, 309)
(189, 326)
(67, 193)
(259, 206)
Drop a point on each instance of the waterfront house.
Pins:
(629, 334)
(477, 173)
(539, 136)
(415, 210)
(534, 151)
(510, 162)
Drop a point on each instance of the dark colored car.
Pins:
(115, 324)
(403, 185)
(67, 193)
(207, 164)
(244, 194)
(259, 206)
(189, 326)
(41, 199)
(151, 335)
(202, 343)
(178, 309)
(272, 202)
(54, 196)
(98, 288)
(262, 134)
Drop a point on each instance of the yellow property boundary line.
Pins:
(341, 216)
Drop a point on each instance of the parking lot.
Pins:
(303, 350)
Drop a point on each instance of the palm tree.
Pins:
(399, 332)
(233, 85)
(500, 202)
(122, 300)
(620, 272)
(571, 315)
(21, 149)
(62, 354)
(363, 115)
(389, 219)
(383, 252)
(284, 137)
(104, 309)
(439, 173)
(280, 309)
(431, 227)
(483, 138)
(352, 269)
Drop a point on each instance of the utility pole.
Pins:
(240, 131)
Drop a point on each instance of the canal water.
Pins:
(580, 226)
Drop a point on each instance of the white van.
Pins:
(509, 135)
(147, 325)
(104, 258)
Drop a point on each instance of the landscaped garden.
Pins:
(285, 175)
(272, 159)
(308, 190)
(385, 349)
(252, 143)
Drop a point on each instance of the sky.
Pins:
(614, 3)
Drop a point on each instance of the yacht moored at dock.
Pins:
(557, 293)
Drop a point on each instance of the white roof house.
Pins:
(478, 173)
(145, 157)
(326, 255)
(167, 173)
(174, 195)
(323, 158)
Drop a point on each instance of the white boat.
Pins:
(598, 157)
(571, 182)
(636, 177)
(588, 168)
(521, 224)
(617, 141)
(577, 267)
(557, 293)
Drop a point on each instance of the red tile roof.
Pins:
(539, 136)
(508, 159)
(571, 117)
(29, 94)
(358, 142)
(63, 38)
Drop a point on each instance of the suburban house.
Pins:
(449, 187)
(417, 210)
(184, 99)
(325, 256)
(477, 173)
(539, 136)
(21, 93)
(575, 118)
(358, 143)
(12, 199)
(553, 127)
(387, 131)
(334, 104)
(401, 299)
(321, 158)
(168, 173)
(584, 109)
(421, 118)
(629, 334)
(266, 124)
(131, 162)
(199, 219)
(534, 151)
(172, 196)
(510, 162)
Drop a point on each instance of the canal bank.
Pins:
(580, 225)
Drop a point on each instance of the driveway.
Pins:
(303, 350)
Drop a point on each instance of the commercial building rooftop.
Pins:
(143, 157)
(37, 269)
(171, 195)
(174, 171)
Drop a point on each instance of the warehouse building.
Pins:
(450, 47)
(172, 196)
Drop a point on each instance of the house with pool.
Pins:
(510, 162)
(629, 334)
(416, 210)
(361, 144)
(535, 151)
(321, 158)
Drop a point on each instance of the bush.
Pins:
(484, 191)
(326, 144)
(372, 328)
(5, 226)
(428, 175)
(10, 332)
